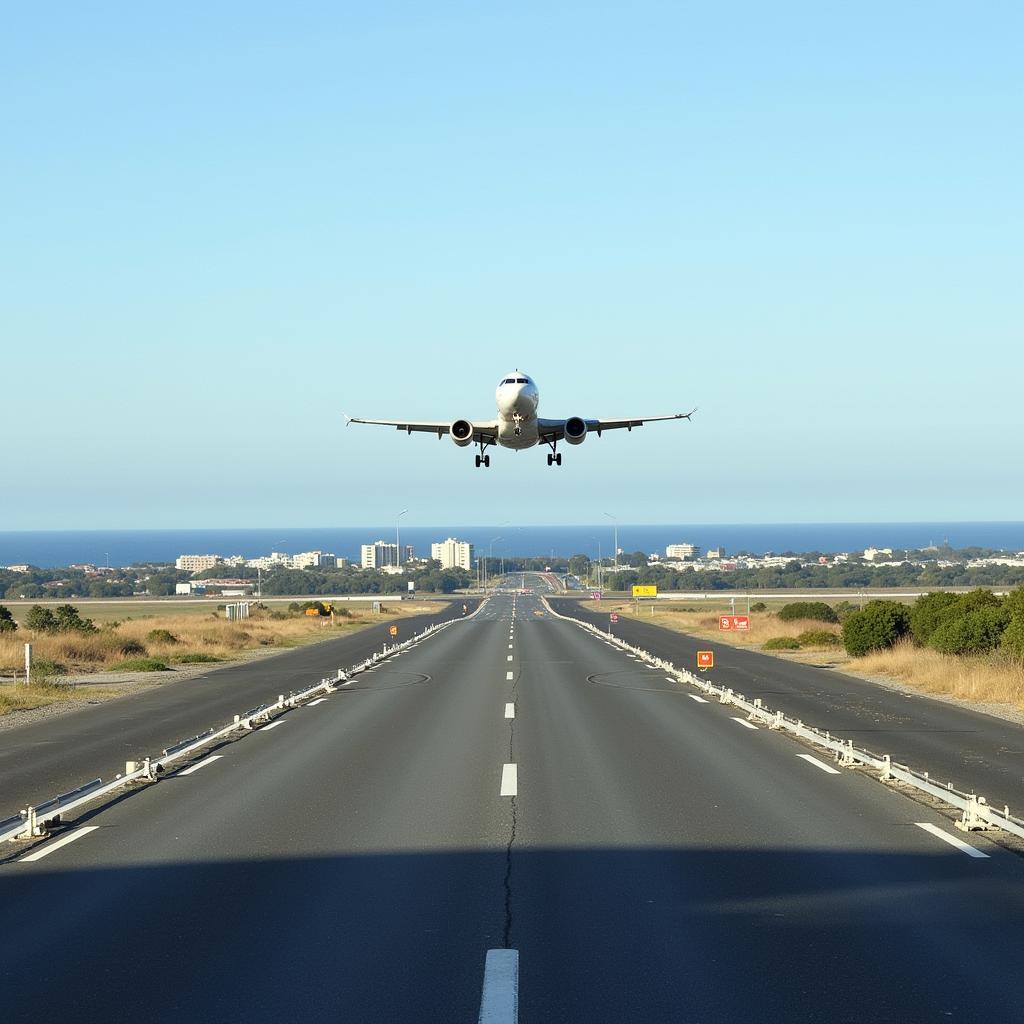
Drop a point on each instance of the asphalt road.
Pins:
(975, 751)
(657, 862)
(54, 755)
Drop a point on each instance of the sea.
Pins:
(52, 548)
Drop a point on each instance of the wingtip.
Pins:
(348, 419)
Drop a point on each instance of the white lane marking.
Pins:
(510, 675)
(699, 700)
(810, 759)
(50, 847)
(201, 764)
(509, 780)
(313, 703)
(510, 647)
(272, 725)
(510, 657)
(745, 723)
(671, 679)
(499, 1001)
(971, 851)
(510, 710)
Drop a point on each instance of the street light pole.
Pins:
(398, 539)
(490, 553)
(616, 522)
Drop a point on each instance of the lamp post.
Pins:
(616, 522)
(490, 553)
(398, 539)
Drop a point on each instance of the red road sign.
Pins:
(729, 622)
(705, 659)
(614, 616)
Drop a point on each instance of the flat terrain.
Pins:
(513, 782)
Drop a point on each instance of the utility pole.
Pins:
(398, 539)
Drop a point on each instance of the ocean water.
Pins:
(47, 548)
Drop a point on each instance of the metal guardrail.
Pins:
(31, 822)
(977, 813)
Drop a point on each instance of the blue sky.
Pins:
(225, 225)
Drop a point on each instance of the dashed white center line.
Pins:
(810, 759)
(51, 847)
(744, 723)
(272, 725)
(509, 780)
(313, 703)
(671, 679)
(499, 1001)
(201, 764)
(510, 675)
(510, 657)
(510, 710)
(510, 647)
(963, 847)
(699, 700)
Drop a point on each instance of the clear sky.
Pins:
(223, 225)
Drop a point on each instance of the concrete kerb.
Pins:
(30, 823)
(976, 813)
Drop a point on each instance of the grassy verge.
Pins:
(985, 679)
(24, 698)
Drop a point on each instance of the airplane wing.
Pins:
(554, 430)
(483, 430)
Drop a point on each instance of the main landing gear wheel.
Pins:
(483, 460)
(554, 460)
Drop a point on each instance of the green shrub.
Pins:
(44, 668)
(197, 658)
(844, 610)
(819, 638)
(817, 610)
(1014, 603)
(977, 632)
(139, 665)
(781, 643)
(161, 636)
(757, 606)
(40, 620)
(7, 623)
(929, 612)
(877, 627)
(1013, 636)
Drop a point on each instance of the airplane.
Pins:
(518, 425)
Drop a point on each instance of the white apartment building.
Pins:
(680, 551)
(382, 555)
(195, 563)
(874, 554)
(313, 560)
(453, 554)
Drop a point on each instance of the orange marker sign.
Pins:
(705, 659)
(393, 630)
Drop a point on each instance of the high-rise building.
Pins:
(682, 551)
(453, 554)
(382, 555)
(196, 563)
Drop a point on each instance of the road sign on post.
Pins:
(705, 660)
(727, 623)
(596, 595)
(393, 630)
(645, 591)
(614, 616)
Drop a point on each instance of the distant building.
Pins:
(875, 554)
(382, 555)
(313, 560)
(17, 568)
(715, 553)
(682, 551)
(195, 563)
(453, 554)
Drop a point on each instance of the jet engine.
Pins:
(575, 430)
(461, 432)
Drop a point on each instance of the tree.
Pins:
(40, 620)
(1013, 636)
(977, 632)
(67, 620)
(7, 623)
(579, 565)
(929, 612)
(876, 628)
(816, 610)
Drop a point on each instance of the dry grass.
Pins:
(24, 698)
(989, 679)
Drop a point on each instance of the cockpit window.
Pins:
(508, 380)
(521, 380)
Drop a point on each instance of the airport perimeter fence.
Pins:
(976, 813)
(31, 822)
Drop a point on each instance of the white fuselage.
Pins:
(517, 398)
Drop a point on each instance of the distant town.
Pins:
(386, 567)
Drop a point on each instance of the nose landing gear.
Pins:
(483, 460)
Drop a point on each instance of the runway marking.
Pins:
(272, 725)
(499, 1001)
(671, 679)
(811, 759)
(510, 647)
(963, 847)
(509, 657)
(699, 700)
(51, 847)
(509, 780)
(201, 764)
(510, 675)
(313, 703)
(510, 710)
(745, 723)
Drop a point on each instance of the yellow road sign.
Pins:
(645, 591)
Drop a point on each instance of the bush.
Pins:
(44, 668)
(977, 632)
(197, 658)
(130, 648)
(781, 643)
(139, 665)
(40, 620)
(757, 606)
(877, 627)
(817, 610)
(1013, 636)
(819, 638)
(7, 623)
(844, 610)
(161, 636)
(929, 612)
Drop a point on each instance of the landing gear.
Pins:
(483, 460)
(554, 458)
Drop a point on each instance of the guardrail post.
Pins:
(777, 721)
(886, 774)
(846, 758)
(972, 820)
